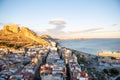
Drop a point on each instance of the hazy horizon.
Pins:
(64, 19)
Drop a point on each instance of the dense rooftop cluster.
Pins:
(22, 65)
(54, 62)
(61, 64)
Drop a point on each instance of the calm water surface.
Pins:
(92, 46)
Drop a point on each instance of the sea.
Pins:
(92, 46)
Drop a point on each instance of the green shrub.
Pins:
(113, 71)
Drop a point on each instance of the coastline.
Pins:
(40, 57)
(58, 42)
(96, 64)
(76, 51)
(92, 46)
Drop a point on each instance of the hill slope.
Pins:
(15, 36)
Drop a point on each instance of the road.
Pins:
(37, 71)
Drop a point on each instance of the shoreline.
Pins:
(57, 41)
(92, 46)
(40, 57)
(80, 51)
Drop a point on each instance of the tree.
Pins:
(105, 71)
(113, 71)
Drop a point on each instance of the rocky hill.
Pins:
(15, 36)
(45, 37)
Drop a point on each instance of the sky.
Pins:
(64, 18)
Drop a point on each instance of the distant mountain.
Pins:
(74, 38)
(15, 36)
(45, 37)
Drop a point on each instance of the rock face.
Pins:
(30, 34)
(11, 28)
(14, 31)
(45, 37)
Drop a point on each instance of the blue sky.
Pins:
(83, 18)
